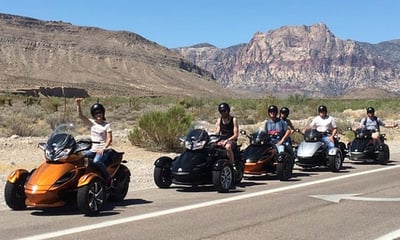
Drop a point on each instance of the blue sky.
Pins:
(223, 23)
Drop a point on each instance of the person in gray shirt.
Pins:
(373, 123)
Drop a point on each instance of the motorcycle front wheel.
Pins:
(223, 178)
(162, 177)
(120, 185)
(284, 168)
(14, 193)
(91, 197)
(335, 162)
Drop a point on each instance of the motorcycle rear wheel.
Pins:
(384, 156)
(121, 184)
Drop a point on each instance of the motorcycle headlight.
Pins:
(57, 155)
(195, 145)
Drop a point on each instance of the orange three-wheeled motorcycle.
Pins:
(67, 177)
(261, 157)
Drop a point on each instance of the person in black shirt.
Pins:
(228, 127)
(284, 114)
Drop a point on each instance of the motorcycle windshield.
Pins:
(363, 133)
(197, 135)
(360, 145)
(60, 143)
(254, 153)
(260, 137)
(196, 139)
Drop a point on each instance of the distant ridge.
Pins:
(304, 60)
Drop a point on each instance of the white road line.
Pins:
(390, 236)
(196, 206)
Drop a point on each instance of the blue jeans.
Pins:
(98, 161)
(289, 148)
(279, 147)
(328, 142)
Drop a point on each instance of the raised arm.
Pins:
(79, 110)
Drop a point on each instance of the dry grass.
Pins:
(124, 112)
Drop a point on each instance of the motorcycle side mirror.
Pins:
(42, 146)
(182, 139)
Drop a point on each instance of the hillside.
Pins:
(37, 53)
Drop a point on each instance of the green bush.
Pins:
(160, 130)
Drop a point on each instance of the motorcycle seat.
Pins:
(113, 155)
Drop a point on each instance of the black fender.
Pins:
(280, 157)
(218, 165)
(334, 151)
(382, 147)
(163, 161)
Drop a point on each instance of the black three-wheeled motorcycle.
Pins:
(202, 162)
(364, 149)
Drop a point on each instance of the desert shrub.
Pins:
(190, 102)
(160, 130)
(20, 125)
(52, 104)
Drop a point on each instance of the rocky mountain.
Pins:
(35, 53)
(305, 60)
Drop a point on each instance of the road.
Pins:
(360, 202)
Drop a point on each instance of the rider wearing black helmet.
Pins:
(372, 122)
(224, 107)
(277, 129)
(228, 127)
(101, 136)
(98, 107)
(283, 114)
(326, 125)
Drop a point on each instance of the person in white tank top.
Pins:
(101, 136)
